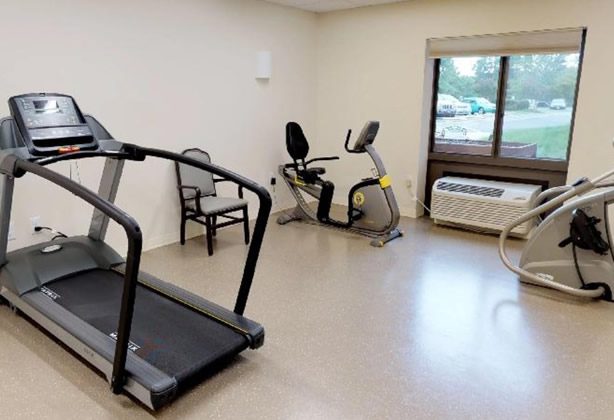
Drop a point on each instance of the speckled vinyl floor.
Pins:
(432, 326)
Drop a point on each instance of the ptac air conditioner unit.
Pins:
(482, 205)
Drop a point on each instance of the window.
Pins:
(539, 100)
(535, 119)
(504, 105)
(465, 106)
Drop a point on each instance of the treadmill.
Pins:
(149, 338)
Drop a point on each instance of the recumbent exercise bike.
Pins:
(372, 209)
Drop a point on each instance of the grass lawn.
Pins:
(551, 141)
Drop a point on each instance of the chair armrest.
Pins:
(240, 191)
(322, 158)
(190, 187)
(197, 192)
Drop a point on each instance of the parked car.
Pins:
(558, 104)
(461, 108)
(480, 105)
(445, 107)
(542, 104)
(454, 132)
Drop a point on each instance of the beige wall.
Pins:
(181, 74)
(169, 74)
(371, 65)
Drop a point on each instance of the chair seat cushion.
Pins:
(217, 205)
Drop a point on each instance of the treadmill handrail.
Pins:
(135, 243)
(264, 211)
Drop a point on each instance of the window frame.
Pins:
(494, 159)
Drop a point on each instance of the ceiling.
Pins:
(320, 6)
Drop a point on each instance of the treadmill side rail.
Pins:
(7, 183)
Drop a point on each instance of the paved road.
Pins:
(482, 125)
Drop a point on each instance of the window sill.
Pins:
(541, 164)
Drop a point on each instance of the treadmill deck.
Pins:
(174, 338)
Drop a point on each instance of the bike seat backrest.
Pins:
(296, 142)
(367, 135)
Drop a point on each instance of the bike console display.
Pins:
(367, 135)
(51, 124)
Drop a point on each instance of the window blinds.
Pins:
(517, 43)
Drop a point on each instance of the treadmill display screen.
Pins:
(51, 124)
(46, 107)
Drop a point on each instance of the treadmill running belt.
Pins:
(174, 338)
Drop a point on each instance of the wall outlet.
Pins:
(35, 221)
(12, 236)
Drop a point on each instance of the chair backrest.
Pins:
(189, 175)
(296, 142)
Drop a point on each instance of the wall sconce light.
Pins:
(265, 65)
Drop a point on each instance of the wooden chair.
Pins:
(200, 203)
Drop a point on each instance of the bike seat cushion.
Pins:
(310, 175)
(317, 171)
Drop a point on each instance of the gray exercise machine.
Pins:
(149, 338)
(570, 249)
(372, 209)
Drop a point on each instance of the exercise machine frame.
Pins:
(17, 161)
(361, 196)
(566, 251)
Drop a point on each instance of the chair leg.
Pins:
(209, 236)
(182, 230)
(214, 227)
(246, 225)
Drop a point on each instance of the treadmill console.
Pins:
(51, 124)
(367, 135)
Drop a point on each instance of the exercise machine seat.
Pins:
(296, 142)
(298, 148)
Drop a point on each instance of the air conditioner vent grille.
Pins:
(490, 215)
(470, 189)
(484, 204)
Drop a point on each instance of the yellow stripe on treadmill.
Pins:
(385, 181)
(188, 304)
(196, 308)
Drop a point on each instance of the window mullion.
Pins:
(575, 98)
(433, 122)
(500, 112)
